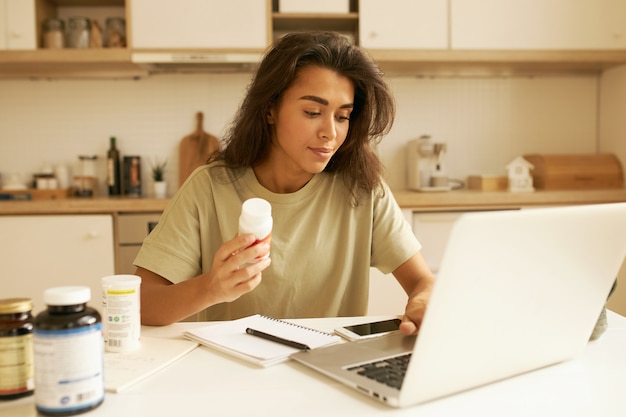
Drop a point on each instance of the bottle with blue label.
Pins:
(68, 353)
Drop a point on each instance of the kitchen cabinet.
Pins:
(538, 24)
(404, 37)
(71, 63)
(44, 251)
(403, 24)
(204, 24)
(284, 22)
(17, 24)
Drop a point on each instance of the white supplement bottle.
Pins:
(122, 312)
(256, 218)
(68, 353)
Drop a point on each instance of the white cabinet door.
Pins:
(403, 24)
(386, 296)
(44, 251)
(432, 230)
(538, 24)
(17, 24)
(199, 24)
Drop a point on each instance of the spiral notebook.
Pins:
(231, 337)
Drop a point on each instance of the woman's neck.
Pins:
(280, 181)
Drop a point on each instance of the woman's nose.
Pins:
(328, 130)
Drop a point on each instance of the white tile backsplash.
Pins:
(485, 121)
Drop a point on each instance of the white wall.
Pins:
(485, 121)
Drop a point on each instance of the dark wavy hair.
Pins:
(248, 138)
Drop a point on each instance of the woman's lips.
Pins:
(322, 152)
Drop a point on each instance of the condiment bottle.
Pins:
(16, 348)
(113, 169)
(69, 353)
(256, 218)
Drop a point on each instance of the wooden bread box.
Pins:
(576, 171)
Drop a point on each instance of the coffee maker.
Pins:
(426, 170)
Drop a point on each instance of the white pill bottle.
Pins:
(256, 218)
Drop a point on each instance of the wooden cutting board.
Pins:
(195, 149)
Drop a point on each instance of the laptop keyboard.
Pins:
(387, 371)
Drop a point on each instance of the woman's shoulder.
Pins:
(215, 172)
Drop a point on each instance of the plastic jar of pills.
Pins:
(16, 348)
(69, 353)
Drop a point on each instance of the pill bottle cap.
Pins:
(66, 296)
(256, 217)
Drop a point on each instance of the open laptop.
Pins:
(516, 291)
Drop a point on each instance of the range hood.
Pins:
(196, 62)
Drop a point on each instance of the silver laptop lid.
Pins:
(516, 291)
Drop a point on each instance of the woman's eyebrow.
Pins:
(324, 102)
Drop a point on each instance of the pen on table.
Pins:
(277, 339)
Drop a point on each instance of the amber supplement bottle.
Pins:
(16, 348)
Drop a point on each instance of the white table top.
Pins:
(208, 383)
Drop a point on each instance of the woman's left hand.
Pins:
(417, 280)
(414, 313)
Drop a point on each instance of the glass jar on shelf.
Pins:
(78, 32)
(115, 32)
(53, 33)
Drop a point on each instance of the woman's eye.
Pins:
(311, 113)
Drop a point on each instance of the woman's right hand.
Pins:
(236, 268)
(232, 275)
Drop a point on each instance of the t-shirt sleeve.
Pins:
(393, 241)
(172, 249)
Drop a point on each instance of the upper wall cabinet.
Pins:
(538, 24)
(403, 24)
(199, 24)
(17, 24)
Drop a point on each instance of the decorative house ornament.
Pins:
(520, 179)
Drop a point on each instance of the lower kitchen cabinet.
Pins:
(44, 251)
(131, 229)
(432, 229)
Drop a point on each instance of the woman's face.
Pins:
(311, 121)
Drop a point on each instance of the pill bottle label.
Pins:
(69, 371)
(16, 365)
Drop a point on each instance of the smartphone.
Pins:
(368, 330)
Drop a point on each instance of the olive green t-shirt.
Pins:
(322, 245)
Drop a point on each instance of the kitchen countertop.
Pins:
(96, 205)
(471, 199)
(407, 199)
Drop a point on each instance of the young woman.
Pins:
(302, 139)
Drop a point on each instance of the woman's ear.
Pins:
(270, 116)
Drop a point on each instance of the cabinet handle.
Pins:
(93, 234)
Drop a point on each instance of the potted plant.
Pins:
(158, 176)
